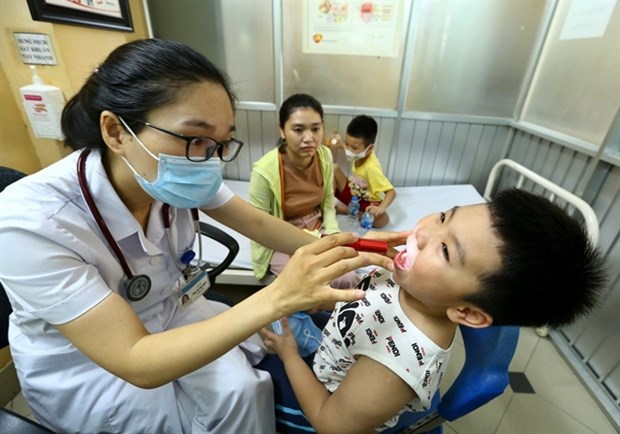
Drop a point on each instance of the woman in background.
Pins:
(294, 182)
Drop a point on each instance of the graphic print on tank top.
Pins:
(378, 328)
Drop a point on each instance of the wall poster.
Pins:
(352, 27)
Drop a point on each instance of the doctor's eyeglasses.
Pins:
(200, 148)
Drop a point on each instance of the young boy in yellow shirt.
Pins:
(367, 181)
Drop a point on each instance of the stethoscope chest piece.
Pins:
(137, 287)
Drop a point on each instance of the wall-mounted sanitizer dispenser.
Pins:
(43, 104)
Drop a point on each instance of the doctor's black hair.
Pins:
(363, 127)
(550, 274)
(135, 78)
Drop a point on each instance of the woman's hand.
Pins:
(304, 282)
(284, 345)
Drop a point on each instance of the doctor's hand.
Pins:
(304, 282)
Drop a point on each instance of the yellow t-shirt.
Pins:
(368, 181)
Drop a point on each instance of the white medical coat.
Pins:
(55, 265)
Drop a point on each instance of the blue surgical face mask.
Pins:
(180, 183)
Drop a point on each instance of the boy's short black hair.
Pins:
(364, 127)
(551, 274)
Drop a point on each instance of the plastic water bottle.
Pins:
(365, 223)
(354, 210)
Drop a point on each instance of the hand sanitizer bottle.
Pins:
(43, 104)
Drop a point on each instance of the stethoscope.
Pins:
(137, 286)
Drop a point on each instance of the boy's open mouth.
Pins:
(405, 259)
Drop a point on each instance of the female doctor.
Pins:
(110, 332)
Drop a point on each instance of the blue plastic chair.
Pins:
(484, 376)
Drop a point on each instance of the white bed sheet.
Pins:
(411, 204)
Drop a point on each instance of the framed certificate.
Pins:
(104, 14)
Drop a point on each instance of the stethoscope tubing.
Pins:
(165, 212)
(97, 215)
(135, 285)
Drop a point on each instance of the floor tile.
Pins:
(485, 419)
(534, 415)
(528, 340)
(448, 430)
(519, 383)
(555, 382)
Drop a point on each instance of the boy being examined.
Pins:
(519, 260)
